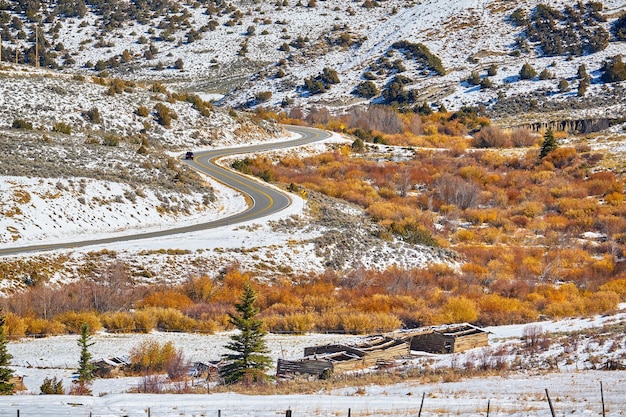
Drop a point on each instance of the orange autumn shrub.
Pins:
(166, 299)
(617, 286)
(496, 310)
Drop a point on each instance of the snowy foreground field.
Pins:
(576, 394)
(574, 388)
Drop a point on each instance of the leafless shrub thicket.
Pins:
(318, 115)
(455, 190)
(534, 338)
(378, 118)
(491, 137)
(103, 290)
(521, 138)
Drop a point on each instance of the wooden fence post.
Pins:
(288, 412)
(148, 411)
(219, 413)
(419, 414)
(602, 395)
(349, 412)
(550, 403)
(488, 406)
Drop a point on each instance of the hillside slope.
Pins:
(262, 53)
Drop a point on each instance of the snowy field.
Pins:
(574, 389)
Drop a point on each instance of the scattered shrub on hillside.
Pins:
(22, 124)
(366, 89)
(262, 96)
(142, 111)
(545, 74)
(619, 28)
(93, 115)
(474, 78)
(111, 139)
(164, 115)
(614, 70)
(117, 86)
(574, 31)
(421, 54)
(61, 127)
(527, 72)
(322, 82)
(519, 17)
(486, 83)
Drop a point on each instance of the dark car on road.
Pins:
(189, 155)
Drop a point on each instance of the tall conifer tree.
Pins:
(249, 360)
(6, 387)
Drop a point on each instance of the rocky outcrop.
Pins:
(573, 126)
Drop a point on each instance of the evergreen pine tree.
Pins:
(85, 367)
(549, 144)
(6, 387)
(249, 360)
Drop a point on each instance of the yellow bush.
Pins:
(119, 322)
(73, 321)
(464, 235)
(498, 310)
(166, 299)
(43, 327)
(293, 323)
(171, 320)
(362, 323)
(565, 308)
(151, 355)
(208, 326)
(615, 198)
(601, 302)
(617, 286)
(459, 309)
(530, 209)
(329, 320)
(14, 326)
(144, 321)
(319, 303)
(200, 289)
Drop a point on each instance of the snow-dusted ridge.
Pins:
(466, 34)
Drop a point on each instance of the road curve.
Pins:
(262, 200)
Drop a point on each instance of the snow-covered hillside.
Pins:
(247, 48)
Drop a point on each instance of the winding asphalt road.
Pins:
(262, 200)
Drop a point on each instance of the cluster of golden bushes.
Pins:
(366, 302)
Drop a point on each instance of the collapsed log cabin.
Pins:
(111, 367)
(377, 350)
(326, 359)
(446, 339)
